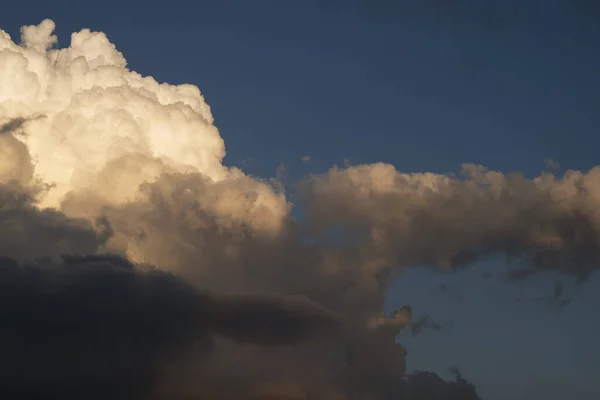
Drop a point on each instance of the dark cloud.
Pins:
(100, 327)
(422, 385)
(28, 231)
(15, 125)
(170, 222)
(426, 323)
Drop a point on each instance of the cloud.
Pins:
(425, 322)
(12, 126)
(99, 326)
(132, 166)
(28, 231)
(427, 385)
(16, 166)
(549, 222)
(124, 164)
(587, 8)
(15, 124)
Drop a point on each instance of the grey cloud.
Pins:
(100, 327)
(171, 224)
(424, 385)
(549, 223)
(15, 125)
(12, 126)
(28, 231)
(426, 323)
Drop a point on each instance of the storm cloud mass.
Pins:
(214, 289)
(100, 327)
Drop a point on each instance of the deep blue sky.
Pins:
(425, 90)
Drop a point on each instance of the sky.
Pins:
(297, 87)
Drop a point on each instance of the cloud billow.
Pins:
(215, 287)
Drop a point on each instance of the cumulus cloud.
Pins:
(123, 164)
(448, 221)
(85, 92)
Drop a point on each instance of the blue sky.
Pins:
(426, 91)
